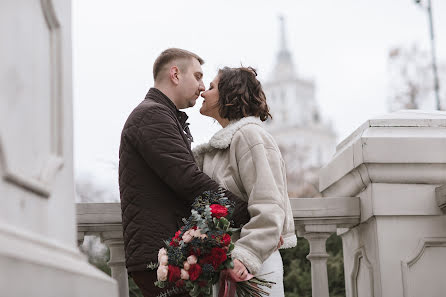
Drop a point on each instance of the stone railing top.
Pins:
(98, 213)
(339, 211)
(402, 118)
(403, 147)
(342, 212)
(98, 217)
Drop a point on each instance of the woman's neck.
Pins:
(223, 122)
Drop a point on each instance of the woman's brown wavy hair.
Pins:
(241, 94)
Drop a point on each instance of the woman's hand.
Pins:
(280, 242)
(239, 273)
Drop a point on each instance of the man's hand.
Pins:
(239, 273)
(241, 215)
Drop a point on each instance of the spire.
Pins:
(283, 47)
(284, 68)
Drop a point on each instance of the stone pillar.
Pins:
(39, 255)
(396, 164)
(114, 241)
(317, 236)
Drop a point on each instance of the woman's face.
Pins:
(210, 102)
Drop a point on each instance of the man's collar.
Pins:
(160, 97)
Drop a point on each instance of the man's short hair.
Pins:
(171, 54)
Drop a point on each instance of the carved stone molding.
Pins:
(361, 260)
(41, 184)
(56, 75)
(409, 262)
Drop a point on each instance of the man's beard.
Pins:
(192, 102)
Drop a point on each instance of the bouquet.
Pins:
(199, 254)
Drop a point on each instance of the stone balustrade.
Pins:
(104, 220)
(315, 218)
(384, 193)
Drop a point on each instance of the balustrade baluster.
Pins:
(317, 236)
(114, 241)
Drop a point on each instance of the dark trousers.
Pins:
(145, 279)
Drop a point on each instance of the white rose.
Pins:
(192, 260)
(184, 274)
(186, 265)
(164, 260)
(161, 252)
(187, 236)
(162, 272)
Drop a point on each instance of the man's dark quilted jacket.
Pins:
(158, 178)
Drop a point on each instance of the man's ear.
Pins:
(173, 74)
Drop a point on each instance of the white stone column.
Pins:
(39, 255)
(317, 236)
(115, 243)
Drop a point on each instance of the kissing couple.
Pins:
(160, 174)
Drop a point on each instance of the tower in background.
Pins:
(306, 140)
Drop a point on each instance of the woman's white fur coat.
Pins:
(245, 159)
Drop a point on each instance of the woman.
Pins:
(245, 159)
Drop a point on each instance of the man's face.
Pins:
(190, 84)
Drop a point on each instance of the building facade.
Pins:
(306, 140)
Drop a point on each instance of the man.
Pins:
(158, 177)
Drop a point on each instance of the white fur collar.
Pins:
(222, 138)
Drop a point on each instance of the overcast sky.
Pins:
(342, 45)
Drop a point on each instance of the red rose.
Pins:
(206, 260)
(194, 272)
(218, 256)
(218, 211)
(176, 239)
(174, 273)
(226, 239)
(215, 258)
(180, 283)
